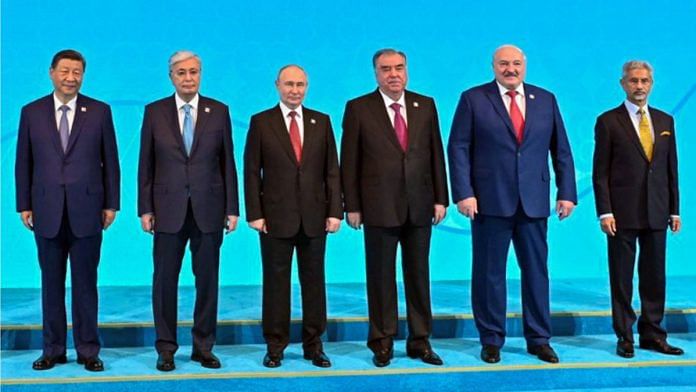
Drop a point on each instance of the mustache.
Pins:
(511, 73)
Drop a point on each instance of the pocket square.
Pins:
(665, 133)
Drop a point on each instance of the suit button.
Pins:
(519, 154)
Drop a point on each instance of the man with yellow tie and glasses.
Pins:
(637, 197)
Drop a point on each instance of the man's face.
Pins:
(637, 84)
(391, 74)
(67, 78)
(292, 85)
(186, 77)
(510, 67)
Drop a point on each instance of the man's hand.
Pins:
(468, 207)
(608, 225)
(259, 225)
(564, 208)
(27, 218)
(147, 223)
(332, 224)
(675, 224)
(439, 212)
(108, 217)
(355, 220)
(231, 223)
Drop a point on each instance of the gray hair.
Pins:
(181, 55)
(636, 64)
(511, 46)
(283, 68)
(386, 51)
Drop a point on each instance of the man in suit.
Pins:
(637, 198)
(394, 181)
(68, 182)
(293, 198)
(501, 137)
(187, 191)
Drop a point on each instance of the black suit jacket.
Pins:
(279, 190)
(382, 181)
(167, 177)
(641, 194)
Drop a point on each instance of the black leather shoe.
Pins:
(165, 361)
(382, 358)
(272, 360)
(93, 364)
(661, 346)
(428, 356)
(490, 353)
(624, 348)
(45, 362)
(206, 358)
(318, 358)
(543, 352)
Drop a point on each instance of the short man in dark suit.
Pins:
(293, 198)
(68, 183)
(637, 198)
(502, 135)
(187, 193)
(394, 182)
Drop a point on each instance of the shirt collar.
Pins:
(180, 102)
(286, 110)
(633, 108)
(58, 103)
(503, 90)
(388, 101)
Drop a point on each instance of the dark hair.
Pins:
(69, 54)
(386, 51)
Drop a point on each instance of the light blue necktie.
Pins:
(188, 128)
(64, 127)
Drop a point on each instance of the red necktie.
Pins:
(400, 126)
(295, 137)
(516, 116)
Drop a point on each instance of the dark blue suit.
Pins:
(511, 184)
(66, 192)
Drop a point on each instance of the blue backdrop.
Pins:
(574, 48)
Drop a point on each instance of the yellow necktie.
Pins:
(645, 136)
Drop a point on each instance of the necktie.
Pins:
(64, 127)
(400, 126)
(188, 128)
(295, 137)
(645, 136)
(516, 116)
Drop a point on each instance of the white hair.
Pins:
(181, 55)
(510, 46)
(636, 64)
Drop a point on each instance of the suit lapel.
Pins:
(379, 112)
(281, 133)
(171, 112)
(627, 125)
(530, 112)
(81, 113)
(499, 106)
(52, 126)
(203, 113)
(310, 134)
(414, 119)
(659, 126)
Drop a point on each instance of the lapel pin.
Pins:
(665, 133)
(415, 104)
(207, 109)
(313, 121)
(531, 96)
(83, 109)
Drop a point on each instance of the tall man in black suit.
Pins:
(293, 198)
(393, 173)
(187, 191)
(637, 198)
(68, 183)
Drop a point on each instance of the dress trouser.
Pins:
(380, 251)
(168, 254)
(491, 242)
(651, 286)
(276, 256)
(84, 255)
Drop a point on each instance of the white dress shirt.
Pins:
(634, 113)
(182, 113)
(519, 98)
(401, 101)
(298, 118)
(72, 104)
